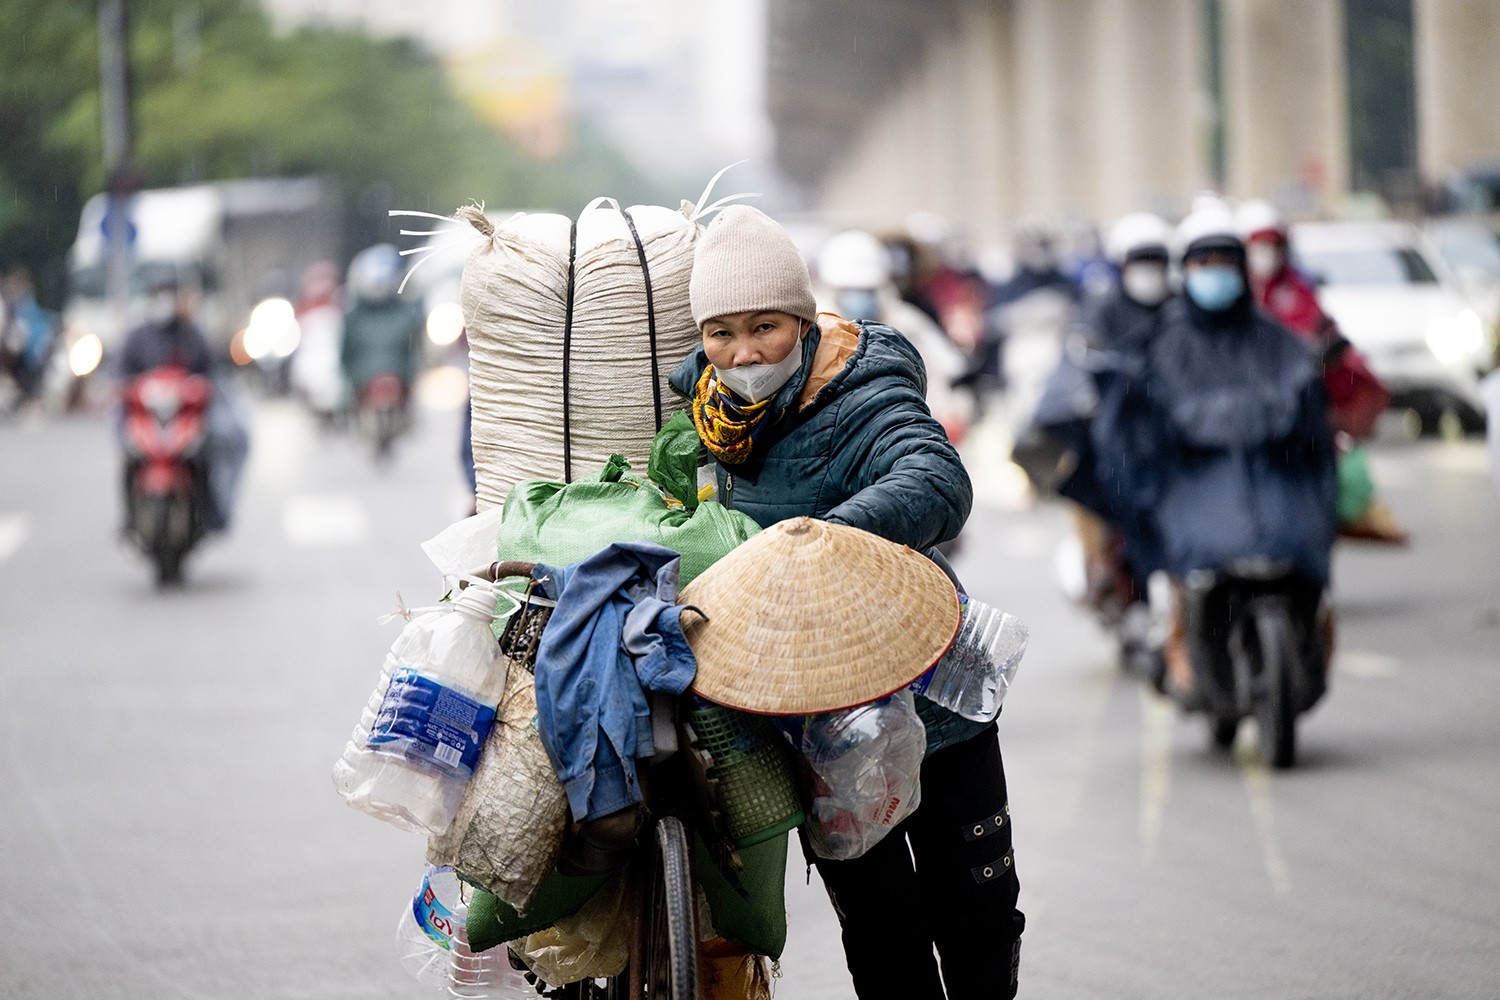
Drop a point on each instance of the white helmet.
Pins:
(1210, 223)
(375, 272)
(1137, 234)
(854, 259)
(1258, 217)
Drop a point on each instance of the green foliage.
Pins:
(218, 94)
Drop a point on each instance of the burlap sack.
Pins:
(508, 832)
(573, 331)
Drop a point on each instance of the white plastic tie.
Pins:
(708, 191)
(403, 612)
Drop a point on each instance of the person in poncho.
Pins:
(812, 415)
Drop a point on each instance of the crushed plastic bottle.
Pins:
(418, 740)
(433, 945)
(862, 772)
(974, 675)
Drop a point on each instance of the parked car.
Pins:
(1393, 297)
(1470, 247)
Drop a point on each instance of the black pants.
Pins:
(945, 877)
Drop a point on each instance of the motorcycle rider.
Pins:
(170, 336)
(1357, 396)
(1239, 455)
(382, 333)
(854, 280)
(1101, 371)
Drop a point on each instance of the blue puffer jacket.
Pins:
(854, 443)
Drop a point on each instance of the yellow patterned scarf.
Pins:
(727, 427)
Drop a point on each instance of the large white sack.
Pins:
(515, 303)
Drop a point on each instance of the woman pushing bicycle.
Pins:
(811, 415)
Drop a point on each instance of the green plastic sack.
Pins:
(1356, 485)
(492, 921)
(560, 525)
(757, 923)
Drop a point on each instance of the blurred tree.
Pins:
(218, 94)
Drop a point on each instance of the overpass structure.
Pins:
(989, 111)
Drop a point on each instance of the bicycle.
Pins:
(683, 791)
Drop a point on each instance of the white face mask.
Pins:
(1263, 260)
(1145, 282)
(758, 382)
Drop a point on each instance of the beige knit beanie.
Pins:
(746, 262)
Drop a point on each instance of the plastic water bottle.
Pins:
(419, 738)
(974, 675)
(433, 945)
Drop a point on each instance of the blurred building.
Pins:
(984, 111)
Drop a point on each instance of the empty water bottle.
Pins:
(414, 751)
(974, 675)
(433, 945)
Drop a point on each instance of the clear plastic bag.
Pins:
(591, 944)
(861, 770)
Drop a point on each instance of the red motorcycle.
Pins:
(166, 481)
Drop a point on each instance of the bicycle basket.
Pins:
(751, 770)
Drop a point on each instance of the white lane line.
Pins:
(1257, 778)
(1156, 771)
(1365, 663)
(325, 520)
(15, 529)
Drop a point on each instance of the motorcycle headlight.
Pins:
(273, 331)
(1456, 338)
(85, 351)
(445, 323)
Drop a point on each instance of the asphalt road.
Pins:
(168, 828)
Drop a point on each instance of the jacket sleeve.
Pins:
(907, 482)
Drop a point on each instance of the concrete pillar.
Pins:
(1457, 50)
(987, 180)
(940, 142)
(1152, 106)
(1056, 138)
(1285, 101)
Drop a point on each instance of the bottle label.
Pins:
(435, 919)
(427, 721)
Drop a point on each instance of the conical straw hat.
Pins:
(810, 617)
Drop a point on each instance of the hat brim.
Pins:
(810, 617)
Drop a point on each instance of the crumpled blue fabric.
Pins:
(615, 634)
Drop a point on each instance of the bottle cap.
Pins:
(477, 600)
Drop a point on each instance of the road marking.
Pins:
(1365, 663)
(1257, 778)
(1156, 771)
(325, 520)
(15, 529)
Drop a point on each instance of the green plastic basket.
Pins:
(754, 772)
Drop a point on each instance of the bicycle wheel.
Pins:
(1275, 704)
(671, 952)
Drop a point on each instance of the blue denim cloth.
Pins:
(615, 634)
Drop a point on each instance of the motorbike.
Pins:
(1137, 619)
(382, 412)
(1258, 637)
(164, 433)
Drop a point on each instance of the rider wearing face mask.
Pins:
(1070, 445)
(1240, 461)
(1356, 396)
(812, 415)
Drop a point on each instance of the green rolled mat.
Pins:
(492, 921)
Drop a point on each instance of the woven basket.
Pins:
(753, 771)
